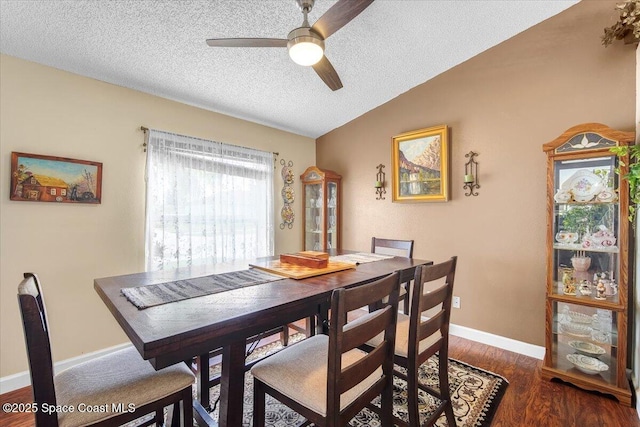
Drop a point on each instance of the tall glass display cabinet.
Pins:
(321, 215)
(588, 247)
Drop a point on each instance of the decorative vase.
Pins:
(581, 263)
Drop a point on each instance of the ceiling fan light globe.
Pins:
(305, 53)
(305, 47)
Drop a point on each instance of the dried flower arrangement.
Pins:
(627, 27)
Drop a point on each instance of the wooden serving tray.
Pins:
(297, 272)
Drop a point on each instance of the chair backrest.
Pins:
(36, 335)
(343, 339)
(423, 327)
(401, 248)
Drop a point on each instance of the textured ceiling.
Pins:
(159, 47)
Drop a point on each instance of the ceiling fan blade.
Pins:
(328, 74)
(338, 16)
(247, 42)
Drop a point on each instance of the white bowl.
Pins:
(586, 364)
(577, 317)
(581, 263)
(576, 329)
(587, 348)
(562, 196)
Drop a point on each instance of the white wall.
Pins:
(52, 112)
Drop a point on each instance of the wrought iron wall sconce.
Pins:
(471, 181)
(380, 183)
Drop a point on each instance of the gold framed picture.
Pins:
(420, 162)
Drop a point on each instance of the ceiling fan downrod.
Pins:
(305, 6)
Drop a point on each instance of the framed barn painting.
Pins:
(421, 165)
(36, 178)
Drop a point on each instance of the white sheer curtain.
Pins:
(206, 201)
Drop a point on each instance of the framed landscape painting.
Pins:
(36, 178)
(420, 161)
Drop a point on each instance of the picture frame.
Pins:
(420, 165)
(39, 178)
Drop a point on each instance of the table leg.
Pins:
(202, 405)
(323, 318)
(202, 363)
(232, 384)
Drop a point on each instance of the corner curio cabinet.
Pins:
(321, 217)
(588, 246)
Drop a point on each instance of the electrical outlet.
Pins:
(456, 302)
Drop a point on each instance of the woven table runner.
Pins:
(163, 293)
(360, 258)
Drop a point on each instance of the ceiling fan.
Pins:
(306, 43)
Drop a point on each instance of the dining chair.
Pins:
(401, 248)
(419, 337)
(200, 365)
(106, 391)
(327, 379)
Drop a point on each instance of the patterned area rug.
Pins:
(476, 395)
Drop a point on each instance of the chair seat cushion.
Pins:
(95, 388)
(300, 373)
(402, 337)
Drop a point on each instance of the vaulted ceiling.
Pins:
(158, 47)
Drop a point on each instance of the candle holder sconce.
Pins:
(380, 183)
(471, 181)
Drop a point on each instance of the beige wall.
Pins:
(47, 111)
(504, 104)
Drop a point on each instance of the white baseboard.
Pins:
(498, 341)
(23, 379)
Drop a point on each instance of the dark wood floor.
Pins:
(529, 401)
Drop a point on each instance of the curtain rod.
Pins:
(146, 129)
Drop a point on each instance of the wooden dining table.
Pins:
(180, 331)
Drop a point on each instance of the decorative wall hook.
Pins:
(380, 183)
(471, 180)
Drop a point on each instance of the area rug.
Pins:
(475, 393)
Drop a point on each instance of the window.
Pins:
(207, 202)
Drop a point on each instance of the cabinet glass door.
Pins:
(332, 215)
(313, 217)
(585, 341)
(586, 229)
